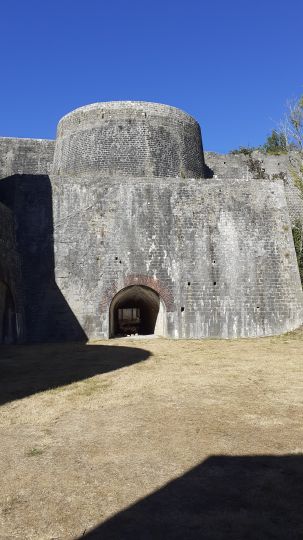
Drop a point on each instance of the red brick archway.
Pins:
(139, 279)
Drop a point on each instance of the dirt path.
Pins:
(148, 439)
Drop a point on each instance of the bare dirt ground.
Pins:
(154, 438)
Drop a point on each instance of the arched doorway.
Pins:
(8, 327)
(137, 309)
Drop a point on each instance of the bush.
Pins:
(245, 150)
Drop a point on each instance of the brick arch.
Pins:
(150, 311)
(140, 279)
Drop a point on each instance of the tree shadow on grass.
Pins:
(223, 498)
(28, 369)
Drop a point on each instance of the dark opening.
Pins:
(134, 310)
(8, 327)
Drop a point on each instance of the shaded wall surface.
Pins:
(47, 316)
(11, 296)
(221, 256)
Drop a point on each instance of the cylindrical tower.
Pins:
(129, 138)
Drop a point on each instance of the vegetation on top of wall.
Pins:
(288, 137)
(244, 150)
(288, 140)
(282, 175)
(256, 169)
(276, 143)
(296, 171)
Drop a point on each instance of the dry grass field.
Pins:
(152, 438)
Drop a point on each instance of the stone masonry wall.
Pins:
(25, 156)
(129, 139)
(222, 251)
(256, 166)
(124, 202)
(46, 313)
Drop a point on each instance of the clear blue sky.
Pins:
(231, 64)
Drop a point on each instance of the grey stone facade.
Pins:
(25, 156)
(122, 212)
(258, 166)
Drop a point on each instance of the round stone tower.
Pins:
(129, 138)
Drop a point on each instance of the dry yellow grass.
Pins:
(197, 439)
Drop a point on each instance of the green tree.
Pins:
(276, 143)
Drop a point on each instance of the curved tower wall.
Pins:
(129, 139)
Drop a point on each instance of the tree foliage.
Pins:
(244, 150)
(276, 143)
(292, 126)
(288, 139)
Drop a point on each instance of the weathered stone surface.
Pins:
(125, 138)
(125, 203)
(25, 156)
(256, 166)
(223, 252)
(46, 313)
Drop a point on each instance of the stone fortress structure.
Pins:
(121, 225)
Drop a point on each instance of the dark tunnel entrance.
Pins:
(136, 310)
(8, 328)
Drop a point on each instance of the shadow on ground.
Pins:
(26, 370)
(225, 497)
